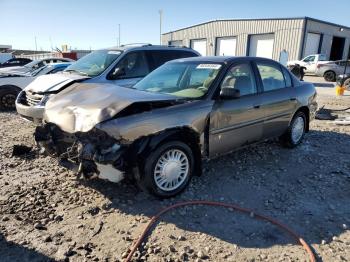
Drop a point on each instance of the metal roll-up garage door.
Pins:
(200, 45)
(312, 44)
(261, 45)
(226, 46)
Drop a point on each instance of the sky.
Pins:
(87, 24)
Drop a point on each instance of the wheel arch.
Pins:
(306, 112)
(184, 134)
(11, 86)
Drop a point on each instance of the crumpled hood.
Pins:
(81, 106)
(52, 82)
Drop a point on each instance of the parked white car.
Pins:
(310, 62)
(34, 65)
(330, 70)
(11, 84)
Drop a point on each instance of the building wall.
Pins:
(328, 32)
(288, 34)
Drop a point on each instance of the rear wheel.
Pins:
(295, 132)
(347, 84)
(329, 76)
(168, 169)
(8, 97)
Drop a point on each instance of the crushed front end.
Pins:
(87, 153)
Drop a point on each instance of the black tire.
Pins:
(347, 84)
(287, 139)
(8, 95)
(329, 76)
(147, 182)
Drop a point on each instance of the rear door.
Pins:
(239, 121)
(278, 100)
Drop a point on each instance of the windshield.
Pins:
(183, 79)
(31, 64)
(94, 63)
(37, 71)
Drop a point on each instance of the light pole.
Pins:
(160, 25)
(118, 35)
(36, 46)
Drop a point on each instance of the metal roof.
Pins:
(259, 19)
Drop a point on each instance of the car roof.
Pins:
(148, 47)
(54, 58)
(221, 59)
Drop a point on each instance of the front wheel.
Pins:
(8, 97)
(295, 132)
(168, 169)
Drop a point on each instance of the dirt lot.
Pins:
(47, 214)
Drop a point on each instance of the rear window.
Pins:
(159, 57)
(322, 58)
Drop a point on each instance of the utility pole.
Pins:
(160, 25)
(36, 45)
(50, 43)
(118, 35)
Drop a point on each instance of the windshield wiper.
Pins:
(76, 71)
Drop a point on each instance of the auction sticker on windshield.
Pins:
(208, 66)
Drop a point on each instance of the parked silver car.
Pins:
(121, 66)
(12, 84)
(184, 111)
(330, 70)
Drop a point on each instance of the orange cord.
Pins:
(211, 203)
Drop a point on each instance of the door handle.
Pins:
(293, 99)
(257, 106)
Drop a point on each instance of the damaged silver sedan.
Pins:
(187, 110)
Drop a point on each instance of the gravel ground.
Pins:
(47, 214)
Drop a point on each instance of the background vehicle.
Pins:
(5, 56)
(15, 62)
(310, 62)
(12, 84)
(344, 80)
(183, 111)
(122, 66)
(331, 69)
(34, 65)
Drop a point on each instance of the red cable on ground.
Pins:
(211, 203)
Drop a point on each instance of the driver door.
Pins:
(309, 64)
(239, 121)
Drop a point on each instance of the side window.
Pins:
(310, 58)
(242, 78)
(159, 57)
(132, 65)
(40, 64)
(287, 77)
(271, 76)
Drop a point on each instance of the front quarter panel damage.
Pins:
(124, 142)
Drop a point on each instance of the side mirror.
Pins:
(229, 93)
(118, 72)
